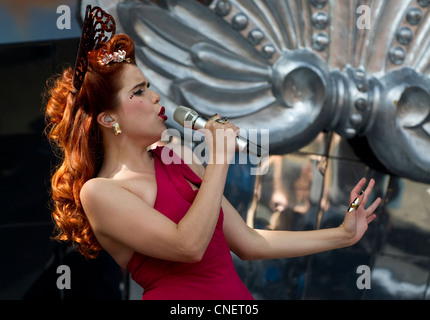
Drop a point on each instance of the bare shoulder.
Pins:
(114, 214)
(95, 188)
(98, 194)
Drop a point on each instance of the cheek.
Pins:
(132, 97)
(135, 105)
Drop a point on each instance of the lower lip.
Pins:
(162, 115)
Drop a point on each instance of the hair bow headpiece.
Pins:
(97, 29)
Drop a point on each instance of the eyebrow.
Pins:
(142, 84)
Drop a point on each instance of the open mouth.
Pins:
(162, 115)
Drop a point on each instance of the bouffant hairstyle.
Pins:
(72, 129)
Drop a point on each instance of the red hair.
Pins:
(73, 129)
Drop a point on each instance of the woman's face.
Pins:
(140, 114)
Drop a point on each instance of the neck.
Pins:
(120, 159)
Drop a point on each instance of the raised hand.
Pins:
(356, 221)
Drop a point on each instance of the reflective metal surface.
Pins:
(309, 189)
(296, 67)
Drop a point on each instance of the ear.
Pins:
(105, 119)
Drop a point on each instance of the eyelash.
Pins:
(140, 91)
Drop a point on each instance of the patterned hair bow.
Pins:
(97, 29)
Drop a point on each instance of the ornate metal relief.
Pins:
(297, 67)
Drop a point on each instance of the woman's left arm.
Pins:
(255, 244)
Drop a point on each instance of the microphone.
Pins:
(184, 115)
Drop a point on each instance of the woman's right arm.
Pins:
(121, 216)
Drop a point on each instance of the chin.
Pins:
(163, 128)
(160, 132)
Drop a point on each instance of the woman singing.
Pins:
(169, 225)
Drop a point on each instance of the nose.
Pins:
(156, 98)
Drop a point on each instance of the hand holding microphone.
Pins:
(220, 137)
(184, 116)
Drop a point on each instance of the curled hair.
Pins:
(73, 130)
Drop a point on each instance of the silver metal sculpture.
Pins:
(297, 67)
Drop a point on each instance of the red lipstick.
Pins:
(162, 115)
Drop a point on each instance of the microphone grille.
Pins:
(183, 114)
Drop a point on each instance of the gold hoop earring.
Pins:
(116, 129)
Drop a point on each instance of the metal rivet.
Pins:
(319, 4)
(424, 3)
(268, 51)
(320, 20)
(397, 55)
(240, 21)
(361, 104)
(404, 36)
(320, 41)
(360, 74)
(356, 119)
(255, 36)
(223, 8)
(362, 87)
(414, 16)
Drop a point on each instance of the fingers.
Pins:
(373, 206)
(370, 218)
(358, 188)
(363, 196)
(221, 137)
(358, 191)
(370, 215)
(217, 122)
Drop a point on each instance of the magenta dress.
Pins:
(214, 277)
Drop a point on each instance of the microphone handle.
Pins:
(199, 123)
(249, 147)
(242, 144)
